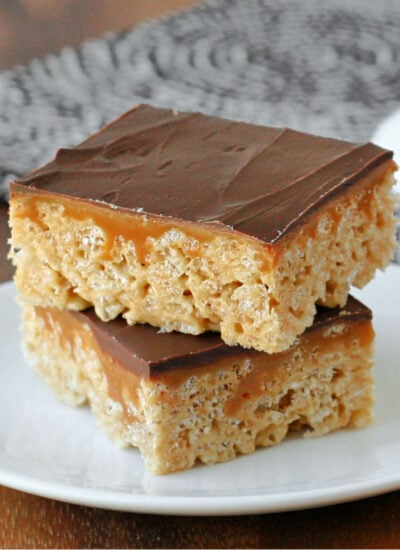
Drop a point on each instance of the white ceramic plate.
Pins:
(55, 451)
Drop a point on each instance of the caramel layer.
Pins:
(137, 227)
(254, 384)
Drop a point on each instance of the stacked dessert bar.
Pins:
(188, 276)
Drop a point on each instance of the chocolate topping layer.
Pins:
(144, 349)
(260, 181)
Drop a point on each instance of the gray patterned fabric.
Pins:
(330, 68)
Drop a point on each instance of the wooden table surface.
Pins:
(29, 28)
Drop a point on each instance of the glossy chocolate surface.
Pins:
(258, 180)
(144, 349)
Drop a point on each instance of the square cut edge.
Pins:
(184, 400)
(283, 221)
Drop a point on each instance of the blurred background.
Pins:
(33, 28)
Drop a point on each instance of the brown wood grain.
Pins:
(31, 28)
(27, 521)
(34, 27)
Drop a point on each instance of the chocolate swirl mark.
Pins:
(300, 197)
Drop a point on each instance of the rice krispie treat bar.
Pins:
(192, 223)
(185, 399)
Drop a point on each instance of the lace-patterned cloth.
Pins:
(327, 68)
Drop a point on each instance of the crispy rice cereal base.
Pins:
(214, 413)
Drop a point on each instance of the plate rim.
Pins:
(202, 505)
